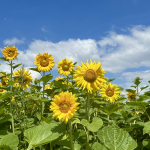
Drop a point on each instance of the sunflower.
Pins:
(132, 96)
(44, 62)
(65, 67)
(27, 78)
(58, 78)
(110, 91)
(90, 76)
(10, 52)
(49, 87)
(65, 82)
(4, 80)
(64, 106)
(2, 90)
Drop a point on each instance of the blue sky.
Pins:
(114, 32)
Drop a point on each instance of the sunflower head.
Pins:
(58, 78)
(90, 76)
(27, 78)
(65, 67)
(10, 52)
(131, 96)
(2, 90)
(44, 62)
(4, 80)
(110, 92)
(64, 106)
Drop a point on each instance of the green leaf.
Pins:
(98, 146)
(43, 134)
(36, 87)
(109, 80)
(7, 95)
(75, 120)
(146, 128)
(138, 104)
(130, 90)
(46, 78)
(137, 81)
(16, 66)
(10, 142)
(77, 146)
(5, 118)
(12, 82)
(94, 126)
(111, 108)
(3, 133)
(146, 143)
(116, 138)
(4, 59)
(142, 88)
(35, 69)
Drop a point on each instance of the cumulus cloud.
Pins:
(13, 41)
(126, 50)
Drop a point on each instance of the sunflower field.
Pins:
(80, 111)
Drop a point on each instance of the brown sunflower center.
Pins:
(90, 75)
(10, 53)
(3, 82)
(109, 93)
(132, 97)
(64, 107)
(65, 68)
(44, 63)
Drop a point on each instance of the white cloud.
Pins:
(43, 29)
(13, 41)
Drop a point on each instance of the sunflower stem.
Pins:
(12, 120)
(42, 110)
(87, 109)
(70, 128)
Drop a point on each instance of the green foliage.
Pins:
(94, 126)
(9, 142)
(43, 134)
(115, 138)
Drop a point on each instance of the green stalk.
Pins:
(12, 120)
(87, 110)
(70, 129)
(43, 96)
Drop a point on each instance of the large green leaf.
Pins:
(98, 146)
(94, 126)
(116, 138)
(43, 134)
(9, 142)
(146, 128)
